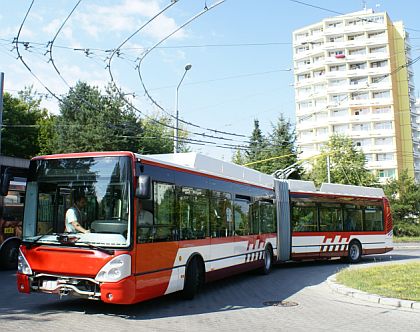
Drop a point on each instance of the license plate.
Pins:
(9, 230)
(49, 284)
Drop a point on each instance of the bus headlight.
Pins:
(116, 269)
(23, 266)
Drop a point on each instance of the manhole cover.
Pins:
(280, 304)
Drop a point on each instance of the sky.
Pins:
(240, 52)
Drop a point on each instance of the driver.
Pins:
(74, 215)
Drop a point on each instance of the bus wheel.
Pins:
(9, 255)
(355, 252)
(268, 260)
(194, 277)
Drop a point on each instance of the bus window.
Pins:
(330, 218)
(220, 216)
(254, 216)
(304, 217)
(164, 201)
(268, 223)
(193, 213)
(241, 216)
(373, 219)
(353, 219)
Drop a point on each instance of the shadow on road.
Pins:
(243, 291)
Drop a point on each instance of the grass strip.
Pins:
(406, 239)
(400, 281)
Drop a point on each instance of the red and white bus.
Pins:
(166, 223)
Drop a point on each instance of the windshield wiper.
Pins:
(102, 249)
(31, 244)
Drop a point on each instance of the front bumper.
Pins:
(121, 292)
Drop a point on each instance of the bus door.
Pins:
(156, 242)
(284, 236)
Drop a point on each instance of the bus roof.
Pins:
(335, 189)
(211, 166)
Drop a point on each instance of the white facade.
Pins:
(344, 84)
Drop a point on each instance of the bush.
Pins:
(406, 229)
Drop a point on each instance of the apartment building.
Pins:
(351, 79)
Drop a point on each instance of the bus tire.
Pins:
(355, 252)
(9, 254)
(268, 260)
(194, 277)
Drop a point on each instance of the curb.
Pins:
(373, 298)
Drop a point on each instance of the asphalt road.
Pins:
(234, 304)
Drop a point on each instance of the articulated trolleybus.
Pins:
(165, 223)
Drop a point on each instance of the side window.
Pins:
(193, 213)
(353, 218)
(221, 215)
(268, 222)
(304, 217)
(330, 217)
(373, 219)
(241, 216)
(145, 228)
(164, 208)
(255, 218)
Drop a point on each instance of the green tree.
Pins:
(280, 151)
(256, 146)
(90, 121)
(347, 164)
(21, 116)
(404, 197)
(157, 136)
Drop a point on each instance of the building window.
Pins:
(302, 77)
(338, 98)
(380, 49)
(358, 51)
(337, 82)
(383, 125)
(361, 111)
(381, 94)
(379, 64)
(340, 112)
(361, 127)
(358, 80)
(356, 37)
(319, 73)
(340, 129)
(356, 66)
(359, 95)
(383, 141)
(382, 110)
(384, 156)
(380, 79)
(386, 173)
(376, 34)
(333, 25)
(338, 68)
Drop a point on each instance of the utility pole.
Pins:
(1, 105)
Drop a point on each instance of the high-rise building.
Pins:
(352, 78)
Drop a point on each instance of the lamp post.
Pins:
(176, 145)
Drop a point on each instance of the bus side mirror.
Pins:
(5, 182)
(144, 186)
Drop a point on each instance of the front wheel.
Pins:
(193, 279)
(9, 255)
(355, 252)
(268, 261)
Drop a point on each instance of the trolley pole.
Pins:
(1, 105)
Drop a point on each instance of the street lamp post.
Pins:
(176, 130)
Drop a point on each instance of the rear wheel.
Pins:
(9, 255)
(268, 260)
(194, 277)
(355, 252)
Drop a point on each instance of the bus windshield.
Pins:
(53, 188)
